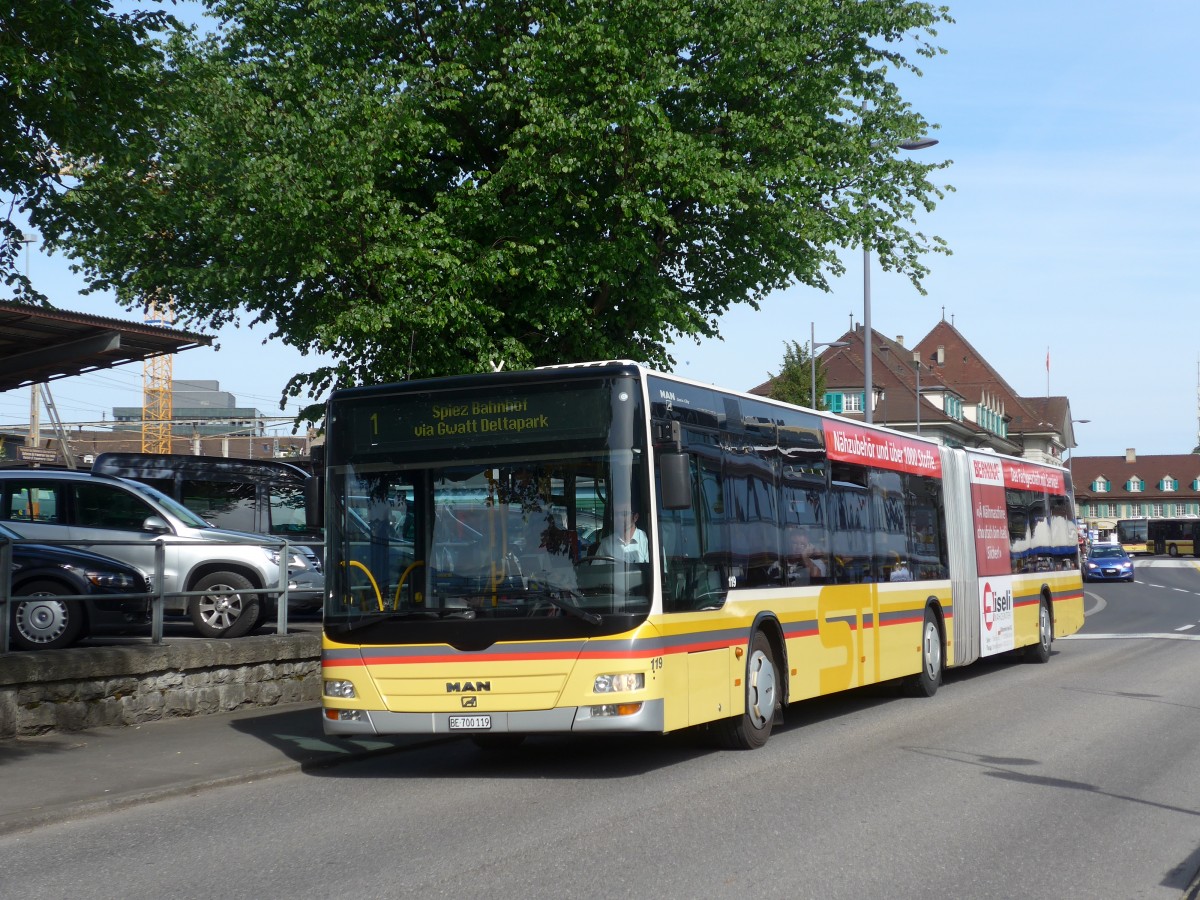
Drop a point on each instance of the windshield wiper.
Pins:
(551, 594)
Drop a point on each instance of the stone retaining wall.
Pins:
(87, 687)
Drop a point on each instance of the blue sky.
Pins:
(1075, 136)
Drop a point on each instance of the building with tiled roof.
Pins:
(963, 400)
(1108, 488)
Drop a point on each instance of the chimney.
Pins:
(900, 339)
(941, 355)
(1130, 455)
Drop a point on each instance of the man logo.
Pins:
(467, 687)
(470, 702)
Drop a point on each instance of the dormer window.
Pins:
(1135, 485)
(1168, 484)
(1102, 486)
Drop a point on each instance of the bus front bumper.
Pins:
(650, 718)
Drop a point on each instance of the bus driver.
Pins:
(625, 541)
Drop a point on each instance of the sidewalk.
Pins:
(64, 775)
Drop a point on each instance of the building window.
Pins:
(1101, 486)
(852, 402)
(1135, 485)
(1156, 509)
(1168, 484)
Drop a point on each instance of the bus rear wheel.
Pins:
(750, 730)
(926, 682)
(1040, 652)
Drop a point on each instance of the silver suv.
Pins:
(85, 509)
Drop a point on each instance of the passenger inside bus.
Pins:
(900, 570)
(805, 562)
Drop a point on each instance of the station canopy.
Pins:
(41, 343)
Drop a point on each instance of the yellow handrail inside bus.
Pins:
(396, 602)
(354, 563)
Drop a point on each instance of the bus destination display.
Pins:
(437, 420)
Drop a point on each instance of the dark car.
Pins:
(1107, 562)
(42, 574)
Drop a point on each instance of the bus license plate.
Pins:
(470, 723)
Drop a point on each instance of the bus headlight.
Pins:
(342, 689)
(616, 684)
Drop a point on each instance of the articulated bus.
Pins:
(602, 548)
(1173, 537)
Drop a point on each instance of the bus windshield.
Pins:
(523, 543)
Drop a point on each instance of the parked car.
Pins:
(262, 496)
(125, 519)
(41, 575)
(1107, 562)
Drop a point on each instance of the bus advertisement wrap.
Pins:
(992, 554)
(851, 443)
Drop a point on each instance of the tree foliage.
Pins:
(73, 79)
(793, 384)
(425, 188)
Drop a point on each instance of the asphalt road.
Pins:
(1076, 779)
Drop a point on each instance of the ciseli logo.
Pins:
(989, 606)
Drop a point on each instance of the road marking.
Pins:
(1109, 637)
(1186, 627)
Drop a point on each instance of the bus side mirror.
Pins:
(675, 480)
(314, 501)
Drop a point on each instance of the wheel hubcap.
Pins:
(761, 690)
(221, 610)
(41, 621)
(933, 651)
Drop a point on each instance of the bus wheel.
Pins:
(1040, 652)
(927, 681)
(750, 730)
(1172, 551)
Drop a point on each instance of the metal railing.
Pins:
(158, 594)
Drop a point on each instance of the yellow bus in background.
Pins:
(1159, 537)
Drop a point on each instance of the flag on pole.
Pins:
(1047, 360)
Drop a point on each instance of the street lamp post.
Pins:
(868, 351)
(917, 360)
(917, 363)
(812, 359)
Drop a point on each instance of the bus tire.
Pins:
(1172, 551)
(1040, 652)
(226, 612)
(927, 681)
(750, 730)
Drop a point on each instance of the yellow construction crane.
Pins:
(158, 405)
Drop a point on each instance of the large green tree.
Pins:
(420, 188)
(74, 76)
